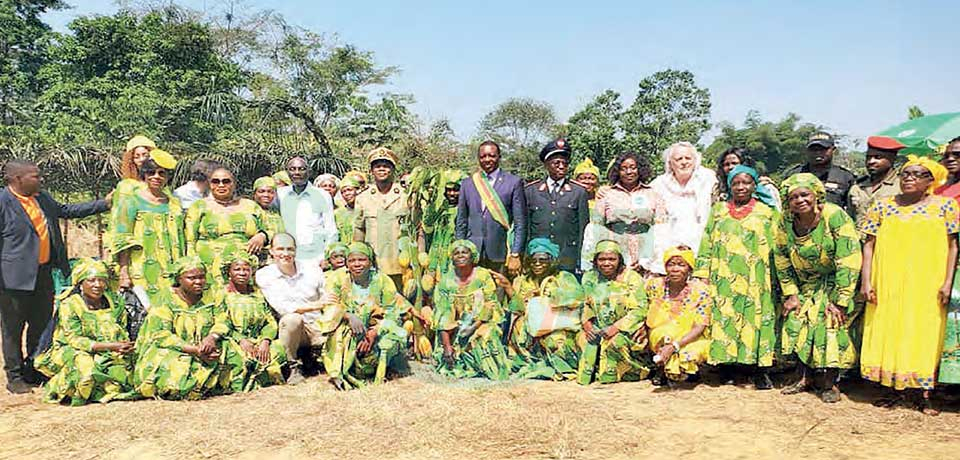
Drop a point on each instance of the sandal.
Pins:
(801, 386)
(925, 405)
(830, 395)
(761, 381)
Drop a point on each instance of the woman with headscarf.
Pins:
(909, 259)
(148, 229)
(679, 318)
(223, 223)
(630, 213)
(282, 178)
(588, 175)
(467, 319)
(735, 258)
(345, 214)
(727, 161)
(264, 194)
(336, 259)
(370, 338)
(137, 152)
(686, 187)
(550, 351)
(950, 359)
(91, 358)
(328, 182)
(613, 316)
(818, 262)
(180, 350)
(250, 326)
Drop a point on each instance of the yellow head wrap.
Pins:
(282, 178)
(586, 166)
(685, 254)
(163, 159)
(140, 141)
(85, 269)
(607, 246)
(265, 181)
(938, 171)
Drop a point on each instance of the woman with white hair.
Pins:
(686, 187)
(328, 182)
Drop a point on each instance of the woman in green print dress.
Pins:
(223, 223)
(181, 351)
(555, 354)
(251, 327)
(467, 319)
(735, 258)
(91, 358)
(818, 262)
(612, 319)
(148, 229)
(370, 338)
(264, 193)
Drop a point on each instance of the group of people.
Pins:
(205, 292)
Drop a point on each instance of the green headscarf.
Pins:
(607, 246)
(359, 247)
(183, 264)
(802, 180)
(265, 181)
(282, 177)
(85, 269)
(543, 245)
(469, 246)
(759, 192)
(350, 181)
(336, 248)
(238, 256)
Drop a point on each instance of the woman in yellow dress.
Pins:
(908, 262)
(678, 318)
(222, 223)
(265, 193)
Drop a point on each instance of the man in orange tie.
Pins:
(30, 248)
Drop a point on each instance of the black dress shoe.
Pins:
(761, 381)
(19, 387)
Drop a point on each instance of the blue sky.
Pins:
(854, 66)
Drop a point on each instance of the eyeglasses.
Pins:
(540, 260)
(296, 168)
(221, 181)
(916, 174)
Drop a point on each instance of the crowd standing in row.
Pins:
(205, 292)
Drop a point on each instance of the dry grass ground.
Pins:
(426, 416)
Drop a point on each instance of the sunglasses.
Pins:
(155, 172)
(916, 175)
(221, 181)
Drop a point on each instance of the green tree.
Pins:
(669, 108)
(774, 145)
(914, 112)
(23, 38)
(521, 126)
(596, 131)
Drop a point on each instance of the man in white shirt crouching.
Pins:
(296, 293)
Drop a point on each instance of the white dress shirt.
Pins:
(285, 294)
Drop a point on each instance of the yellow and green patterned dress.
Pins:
(153, 233)
(379, 307)
(669, 320)
(344, 216)
(482, 353)
(272, 224)
(163, 370)
(126, 188)
(621, 301)
(215, 234)
(249, 317)
(557, 354)
(821, 267)
(736, 257)
(78, 374)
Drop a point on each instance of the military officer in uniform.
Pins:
(380, 211)
(557, 208)
(882, 180)
(837, 180)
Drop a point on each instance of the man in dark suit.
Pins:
(484, 217)
(30, 248)
(556, 207)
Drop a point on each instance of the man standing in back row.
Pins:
(557, 208)
(837, 180)
(492, 212)
(380, 210)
